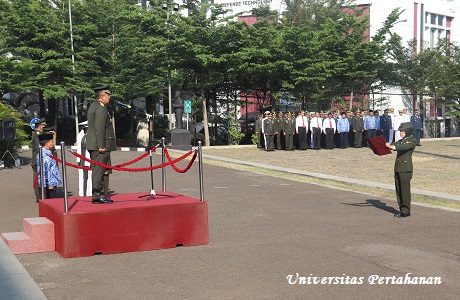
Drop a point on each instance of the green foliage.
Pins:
(7, 112)
(254, 138)
(234, 131)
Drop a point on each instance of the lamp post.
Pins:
(169, 7)
(75, 103)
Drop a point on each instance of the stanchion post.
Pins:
(200, 170)
(64, 178)
(163, 159)
(151, 171)
(40, 162)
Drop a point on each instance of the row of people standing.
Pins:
(327, 130)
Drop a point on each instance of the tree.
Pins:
(36, 40)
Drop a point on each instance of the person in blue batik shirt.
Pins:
(52, 178)
(343, 127)
(370, 125)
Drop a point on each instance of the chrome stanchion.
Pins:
(40, 162)
(163, 159)
(64, 178)
(200, 170)
(152, 190)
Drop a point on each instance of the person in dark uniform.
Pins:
(100, 140)
(288, 131)
(386, 124)
(269, 132)
(403, 167)
(38, 130)
(278, 123)
(358, 127)
(416, 121)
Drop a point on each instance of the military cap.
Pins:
(45, 137)
(405, 126)
(104, 87)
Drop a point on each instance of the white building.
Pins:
(425, 22)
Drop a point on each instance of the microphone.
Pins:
(122, 104)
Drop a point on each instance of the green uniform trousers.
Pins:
(402, 185)
(289, 141)
(98, 173)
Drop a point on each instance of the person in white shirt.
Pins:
(316, 125)
(301, 128)
(329, 128)
(266, 113)
(85, 187)
(406, 116)
(310, 116)
(398, 120)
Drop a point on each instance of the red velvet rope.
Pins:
(187, 167)
(134, 169)
(153, 149)
(70, 164)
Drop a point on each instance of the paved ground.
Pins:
(262, 229)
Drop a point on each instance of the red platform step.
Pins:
(131, 223)
(38, 236)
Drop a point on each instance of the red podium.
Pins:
(130, 224)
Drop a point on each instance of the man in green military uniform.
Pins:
(268, 129)
(289, 130)
(403, 167)
(357, 123)
(278, 123)
(100, 140)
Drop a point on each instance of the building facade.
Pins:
(425, 22)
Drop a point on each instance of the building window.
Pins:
(432, 43)
(426, 18)
(433, 19)
(441, 20)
